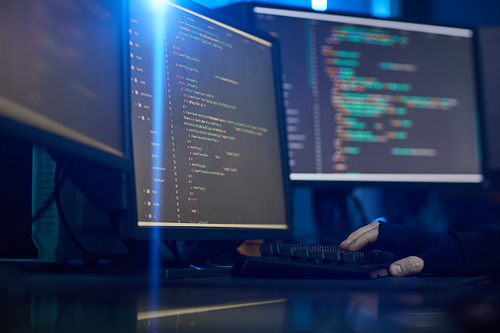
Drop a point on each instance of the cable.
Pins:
(66, 226)
(42, 210)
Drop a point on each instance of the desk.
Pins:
(40, 301)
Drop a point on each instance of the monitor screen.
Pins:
(60, 76)
(205, 107)
(372, 100)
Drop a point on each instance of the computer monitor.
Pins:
(375, 101)
(208, 142)
(168, 114)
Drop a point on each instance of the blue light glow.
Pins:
(157, 4)
(157, 117)
(157, 120)
(157, 126)
(320, 5)
(381, 8)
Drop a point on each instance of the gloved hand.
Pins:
(422, 251)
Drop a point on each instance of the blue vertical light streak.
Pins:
(157, 126)
(158, 112)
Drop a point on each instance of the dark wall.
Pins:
(473, 13)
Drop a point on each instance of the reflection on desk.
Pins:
(70, 302)
(253, 316)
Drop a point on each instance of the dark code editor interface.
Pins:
(377, 100)
(204, 122)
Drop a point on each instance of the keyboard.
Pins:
(314, 261)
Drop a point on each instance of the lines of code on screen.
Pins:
(204, 122)
(381, 99)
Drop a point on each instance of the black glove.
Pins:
(442, 253)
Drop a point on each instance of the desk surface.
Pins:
(34, 300)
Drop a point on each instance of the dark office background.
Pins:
(438, 209)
